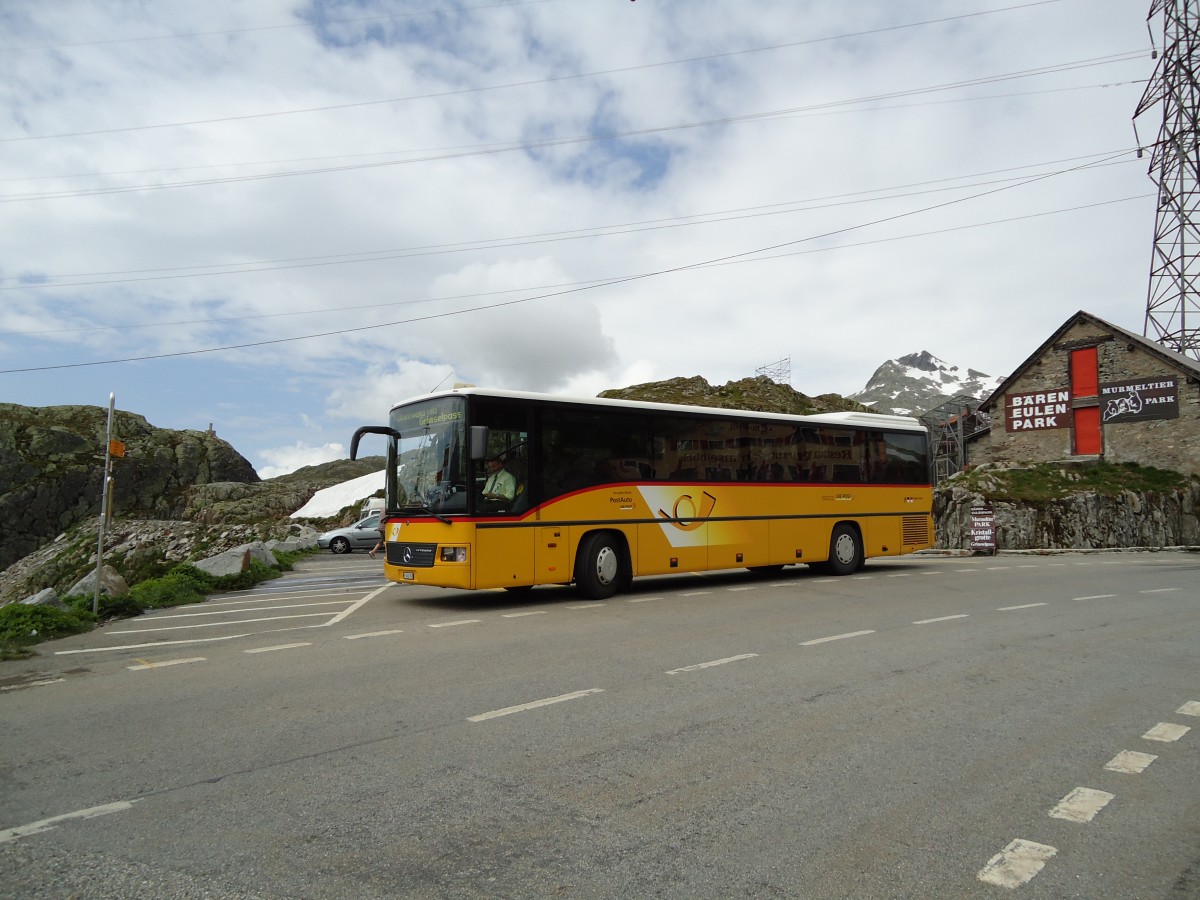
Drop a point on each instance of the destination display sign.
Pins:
(1038, 410)
(1137, 401)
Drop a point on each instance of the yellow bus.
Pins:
(596, 492)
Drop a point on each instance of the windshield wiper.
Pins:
(425, 509)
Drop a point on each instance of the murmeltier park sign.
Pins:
(1119, 401)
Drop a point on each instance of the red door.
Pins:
(1085, 382)
(1088, 440)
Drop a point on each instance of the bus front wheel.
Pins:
(598, 569)
(845, 550)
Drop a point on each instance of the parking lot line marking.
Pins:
(459, 622)
(1016, 864)
(218, 624)
(1130, 762)
(11, 834)
(715, 662)
(1081, 805)
(942, 619)
(523, 707)
(1022, 606)
(229, 612)
(1191, 708)
(1166, 732)
(354, 606)
(835, 637)
(147, 664)
(355, 637)
(276, 647)
(517, 615)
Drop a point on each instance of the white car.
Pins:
(362, 535)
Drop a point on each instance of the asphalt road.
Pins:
(932, 727)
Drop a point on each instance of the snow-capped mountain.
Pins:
(919, 382)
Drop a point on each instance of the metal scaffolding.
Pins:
(950, 426)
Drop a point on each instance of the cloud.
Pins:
(360, 202)
(282, 460)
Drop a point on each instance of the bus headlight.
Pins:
(454, 554)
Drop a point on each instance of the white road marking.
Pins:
(1096, 597)
(643, 599)
(585, 605)
(715, 662)
(899, 574)
(143, 664)
(1016, 864)
(233, 612)
(11, 834)
(354, 606)
(218, 624)
(1159, 591)
(1130, 762)
(276, 647)
(1081, 805)
(535, 612)
(942, 619)
(17, 687)
(1022, 606)
(748, 588)
(696, 594)
(369, 634)
(509, 710)
(835, 637)
(1166, 732)
(459, 622)
(1191, 708)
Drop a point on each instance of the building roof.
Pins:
(1185, 364)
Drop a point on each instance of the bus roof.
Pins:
(849, 419)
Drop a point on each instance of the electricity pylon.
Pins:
(1172, 310)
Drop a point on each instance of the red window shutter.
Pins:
(1085, 375)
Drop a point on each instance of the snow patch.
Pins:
(332, 500)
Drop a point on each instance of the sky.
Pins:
(280, 218)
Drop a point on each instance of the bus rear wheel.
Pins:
(599, 566)
(845, 551)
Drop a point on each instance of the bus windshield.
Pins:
(431, 471)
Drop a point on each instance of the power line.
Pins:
(528, 83)
(492, 149)
(612, 230)
(728, 258)
(253, 28)
(570, 284)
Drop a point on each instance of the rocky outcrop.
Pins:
(760, 393)
(51, 467)
(1084, 520)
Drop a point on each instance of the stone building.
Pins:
(1094, 391)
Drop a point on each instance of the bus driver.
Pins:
(501, 484)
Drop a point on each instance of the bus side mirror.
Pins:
(478, 440)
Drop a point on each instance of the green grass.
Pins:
(1052, 481)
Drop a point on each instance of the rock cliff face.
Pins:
(1086, 520)
(51, 466)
